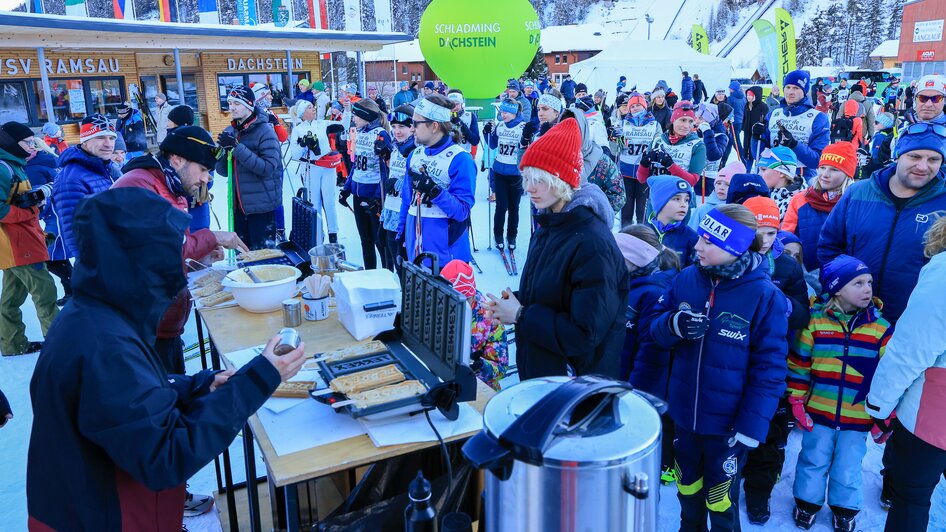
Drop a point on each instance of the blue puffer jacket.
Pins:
(641, 300)
(731, 379)
(80, 175)
(42, 168)
(809, 154)
(866, 224)
(447, 237)
(679, 238)
(686, 88)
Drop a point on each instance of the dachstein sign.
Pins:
(457, 34)
(265, 64)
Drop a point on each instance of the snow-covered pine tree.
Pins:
(895, 19)
(538, 68)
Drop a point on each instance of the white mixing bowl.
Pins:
(278, 283)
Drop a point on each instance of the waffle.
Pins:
(387, 394)
(366, 380)
(210, 277)
(207, 290)
(294, 389)
(216, 299)
(354, 351)
(260, 254)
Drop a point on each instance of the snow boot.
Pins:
(804, 519)
(844, 524)
(757, 508)
(885, 498)
(668, 476)
(196, 504)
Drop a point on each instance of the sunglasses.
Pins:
(922, 98)
(923, 127)
(215, 150)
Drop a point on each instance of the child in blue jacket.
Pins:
(652, 267)
(727, 325)
(670, 201)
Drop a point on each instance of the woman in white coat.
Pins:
(317, 160)
(910, 382)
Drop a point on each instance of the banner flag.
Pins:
(785, 29)
(699, 40)
(768, 42)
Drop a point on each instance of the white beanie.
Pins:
(300, 108)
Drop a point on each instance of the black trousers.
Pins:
(508, 190)
(63, 270)
(914, 470)
(636, 193)
(764, 463)
(368, 221)
(394, 252)
(171, 353)
(708, 472)
(258, 231)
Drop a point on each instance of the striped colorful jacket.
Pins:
(833, 362)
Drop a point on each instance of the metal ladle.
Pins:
(251, 275)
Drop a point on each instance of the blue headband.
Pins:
(726, 233)
(509, 107)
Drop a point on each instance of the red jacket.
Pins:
(197, 246)
(22, 241)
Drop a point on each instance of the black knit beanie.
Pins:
(192, 143)
(13, 133)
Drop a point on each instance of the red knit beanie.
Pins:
(558, 152)
(684, 108)
(840, 155)
(765, 210)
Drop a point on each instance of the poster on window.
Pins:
(76, 101)
(928, 31)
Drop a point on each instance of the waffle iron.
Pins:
(430, 343)
(294, 256)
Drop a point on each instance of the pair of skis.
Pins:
(509, 260)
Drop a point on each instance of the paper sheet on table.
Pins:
(410, 429)
(307, 425)
(243, 356)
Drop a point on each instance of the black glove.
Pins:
(758, 130)
(544, 128)
(312, 142)
(663, 158)
(372, 205)
(647, 158)
(455, 118)
(381, 148)
(4, 409)
(391, 188)
(488, 128)
(343, 198)
(528, 131)
(226, 140)
(688, 324)
(423, 183)
(785, 138)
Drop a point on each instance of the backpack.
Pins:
(843, 129)
(607, 177)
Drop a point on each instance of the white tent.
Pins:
(646, 62)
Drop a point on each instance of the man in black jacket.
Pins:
(253, 147)
(112, 447)
(699, 89)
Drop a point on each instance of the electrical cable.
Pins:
(446, 457)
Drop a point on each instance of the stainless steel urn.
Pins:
(569, 454)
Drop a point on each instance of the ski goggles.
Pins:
(922, 98)
(215, 151)
(923, 127)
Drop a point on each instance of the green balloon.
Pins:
(477, 45)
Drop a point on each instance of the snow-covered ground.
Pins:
(15, 375)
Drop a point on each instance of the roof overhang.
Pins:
(27, 30)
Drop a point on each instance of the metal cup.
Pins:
(289, 340)
(292, 312)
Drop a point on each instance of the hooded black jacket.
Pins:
(114, 438)
(574, 288)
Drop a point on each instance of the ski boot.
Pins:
(844, 524)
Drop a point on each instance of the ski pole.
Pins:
(469, 224)
(475, 265)
(489, 220)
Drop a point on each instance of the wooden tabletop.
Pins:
(233, 328)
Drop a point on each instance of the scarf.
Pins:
(170, 176)
(730, 271)
(674, 138)
(821, 200)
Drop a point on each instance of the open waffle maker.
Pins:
(294, 256)
(430, 343)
